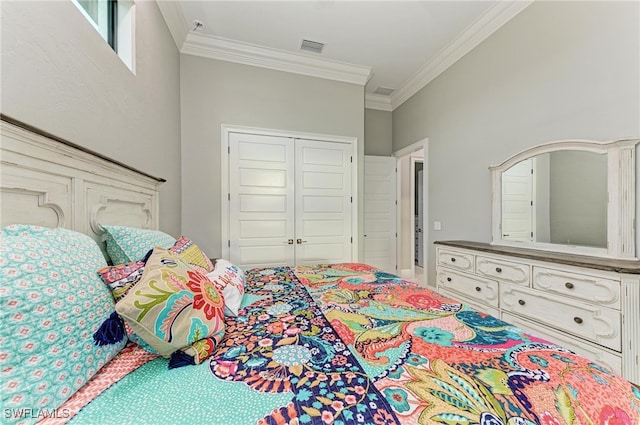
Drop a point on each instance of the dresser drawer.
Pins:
(506, 271)
(594, 323)
(593, 289)
(456, 259)
(590, 351)
(483, 308)
(481, 290)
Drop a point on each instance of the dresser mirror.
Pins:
(573, 196)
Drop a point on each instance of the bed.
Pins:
(332, 343)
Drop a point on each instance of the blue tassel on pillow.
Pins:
(179, 358)
(111, 331)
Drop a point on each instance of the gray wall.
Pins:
(558, 70)
(377, 132)
(216, 92)
(59, 75)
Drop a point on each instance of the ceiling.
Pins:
(400, 45)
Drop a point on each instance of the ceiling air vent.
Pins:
(312, 46)
(385, 91)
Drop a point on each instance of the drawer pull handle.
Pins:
(478, 288)
(578, 320)
(448, 279)
(453, 259)
(521, 302)
(498, 269)
(569, 285)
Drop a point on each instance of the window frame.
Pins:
(112, 24)
(119, 31)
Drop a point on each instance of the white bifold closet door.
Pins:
(323, 202)
(290, 201)
(261, 200)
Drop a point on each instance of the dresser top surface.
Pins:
(619, 266)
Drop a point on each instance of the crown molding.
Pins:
(377, 101)
(176, 22)
(251, 54)
(495, 17)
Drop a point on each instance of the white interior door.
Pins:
(380, 212)
(323, 202)
(261, 200)
(517, 202)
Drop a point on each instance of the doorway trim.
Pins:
(423, 145)
(226, 129)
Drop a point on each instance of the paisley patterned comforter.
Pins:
(348, 344)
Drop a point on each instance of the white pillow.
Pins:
(229, 279)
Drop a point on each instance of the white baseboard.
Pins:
(406, 273)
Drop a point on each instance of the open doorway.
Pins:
(412, 211)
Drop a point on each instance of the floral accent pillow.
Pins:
(229, 279)
(122, 277)
(173, 305)
(128, 244)
(192, 254)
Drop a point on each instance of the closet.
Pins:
(290, 201)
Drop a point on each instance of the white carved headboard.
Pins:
(50, 182)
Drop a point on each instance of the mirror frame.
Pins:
(621, 208)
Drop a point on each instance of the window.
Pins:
(103, 14)
(114, 20)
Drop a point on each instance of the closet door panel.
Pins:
(261, 183)
(323, 202)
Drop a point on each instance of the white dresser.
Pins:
(590, 305)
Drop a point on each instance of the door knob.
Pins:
(300, 241)
(290, 242)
